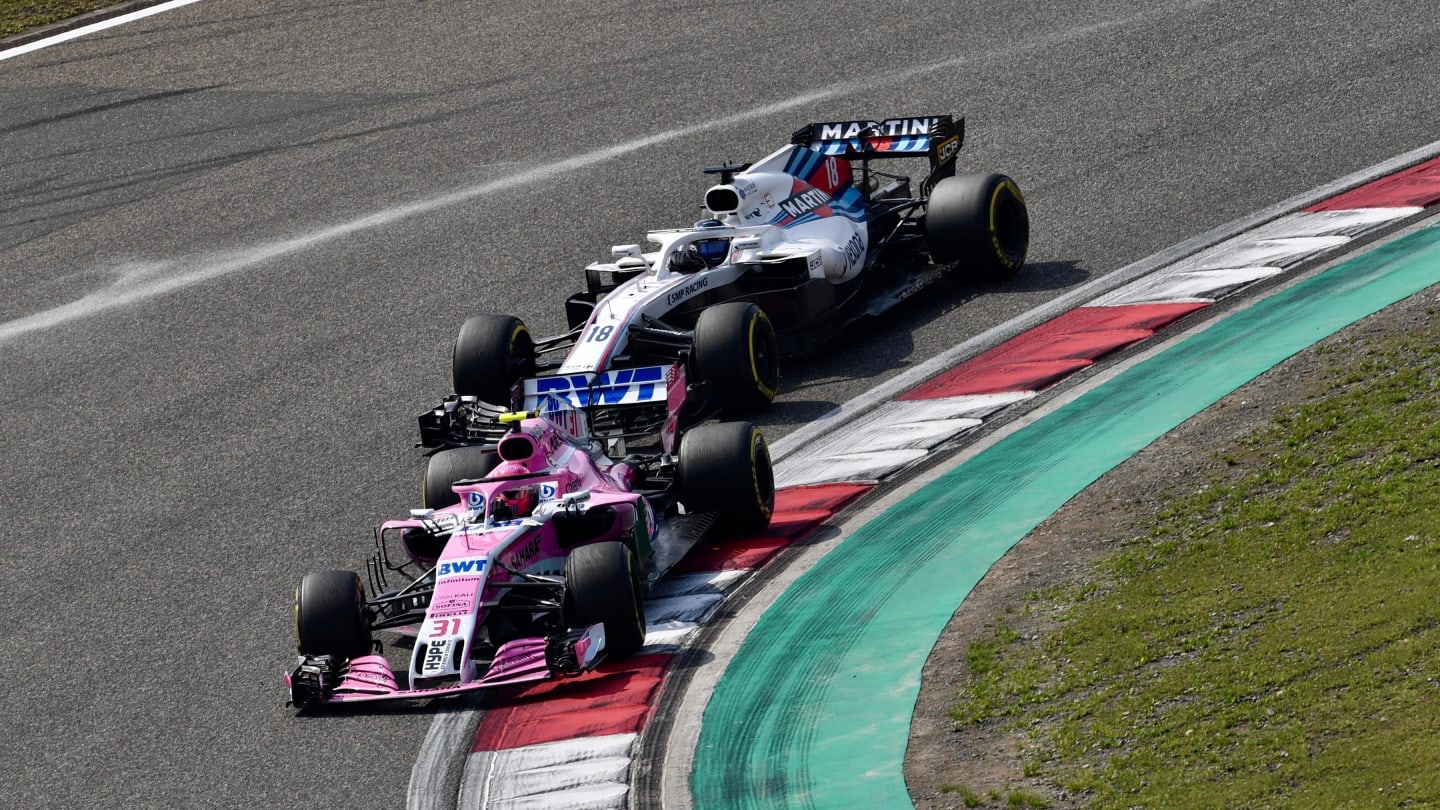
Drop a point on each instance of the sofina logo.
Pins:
(475, 500)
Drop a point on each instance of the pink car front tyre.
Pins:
(330, 616)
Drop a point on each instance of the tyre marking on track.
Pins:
(589, 773)
(141, 281)
(435, 763)
(76, 33)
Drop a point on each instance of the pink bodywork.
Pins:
(369, 677)
(467, 574)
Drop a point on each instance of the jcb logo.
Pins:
(947, 150)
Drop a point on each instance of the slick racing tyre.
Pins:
(330, 617)
(725, 468)
(446, 467)
(978, 222)
(491, 353)
(602, 584)
(736, 352)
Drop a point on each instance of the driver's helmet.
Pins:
(711, 251)
(515, 503)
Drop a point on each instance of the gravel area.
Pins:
(1118, 508)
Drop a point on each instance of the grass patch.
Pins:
(1276, 640)
(968, 797)
(18, 16)
(1025, 798)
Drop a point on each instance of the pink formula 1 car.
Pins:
(529, 560)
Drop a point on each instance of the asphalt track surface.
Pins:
(237, 239)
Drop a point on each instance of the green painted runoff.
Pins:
(814, 710)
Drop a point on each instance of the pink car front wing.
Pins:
(369, 678)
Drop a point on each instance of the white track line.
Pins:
(76, 33)
(169, 275)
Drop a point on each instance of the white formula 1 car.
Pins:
(797, 245)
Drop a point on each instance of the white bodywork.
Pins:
(780, 217)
